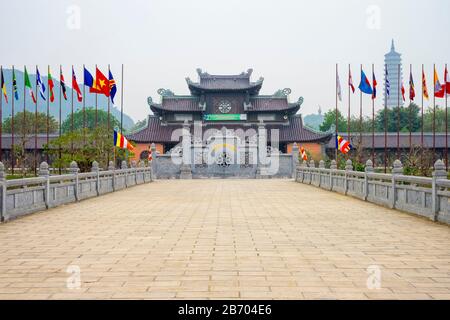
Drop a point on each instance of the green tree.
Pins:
(28, 125)
(409, 119)
(439, 119)
(78, 120)
(330, 120)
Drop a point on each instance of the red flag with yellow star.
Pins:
(101, 84)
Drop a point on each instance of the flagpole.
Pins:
(360, 122)
(398, 112)
(24, 125)
(421, 116)
(434, 114)
(48, 108)
(60, 118)
(96, 95)
(446, 120)
(108, 136)
(373, 117)
(336, 97)
(385, 116)
(410, 107)
(84, 108)
(348, 116)
(12, 123)
(121, 103)
(71, 126)
(35, 125)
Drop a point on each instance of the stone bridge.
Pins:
(212, 239)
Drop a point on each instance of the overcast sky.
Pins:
(291, 43)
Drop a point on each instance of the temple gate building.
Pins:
(230, 106)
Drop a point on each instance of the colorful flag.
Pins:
(343, 145)
(112, 86)
(3, 86)
(374, 83)
(350, 81)
(412, 90)
(403, 92)
(16, 94)
(76, 87)
(101, 83)
(88, 78)
(338, 87)
(424, 86)
(50, 86)
(122, 142)
(387, 83)
(28, 85)
(439, 90)
(40, 85)
(303, 154)
(63, 84)
(447, 83)
(364, 85)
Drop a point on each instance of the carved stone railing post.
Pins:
(113, 169)
(333, 166)
(134, 167)
(321, 166)
(44, 172)
(369, 169)
(295, 161)
(154, 163)
(96, 170)
(124, 168)
(348, 167)
(312, 165)
(3, 215)
(438, 173)
(74, 170)
(396, 170)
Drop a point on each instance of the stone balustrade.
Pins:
(427, 197)
(24, 196)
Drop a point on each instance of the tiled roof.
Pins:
(391, 142)
(177, 104)
(294, 132)
(225, 82)
(272, 104)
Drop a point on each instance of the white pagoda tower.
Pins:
(392, 62)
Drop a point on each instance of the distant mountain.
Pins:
(102, 101)
(313, 120)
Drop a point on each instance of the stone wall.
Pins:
(427, 197)
(24, 196)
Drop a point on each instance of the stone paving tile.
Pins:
(223, 239)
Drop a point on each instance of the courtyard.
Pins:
(223, 239)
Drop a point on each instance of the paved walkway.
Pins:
(224, 239)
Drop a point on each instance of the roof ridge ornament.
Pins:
(165, 92)
(282, 93)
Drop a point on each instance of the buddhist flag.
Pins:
(16, 94)
(439, 90)
(76, 87)
(424, 86)
(364, 85)
(50, 86)
(412, 90)
(343, 145)
(40, 85)
(303, 154)
(350, 81)
(63, 84)
(374, 83)
(28, 85)
(122, 142)
(3, 86)
(112, 86)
